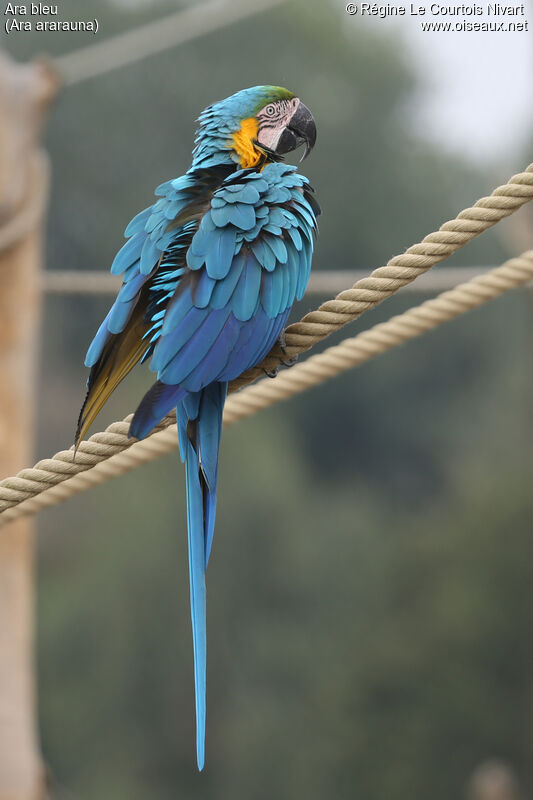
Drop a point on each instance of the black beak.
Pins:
(301, 129)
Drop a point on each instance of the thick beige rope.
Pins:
(33, 487)
(111, 453)
(399, 271)
(32, 209)
(384, 336)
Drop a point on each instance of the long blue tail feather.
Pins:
(158, 401)
(200, 425)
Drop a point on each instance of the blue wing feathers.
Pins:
(220, 255)
(136, 225)
(264, 254)
(194, 350)
(240, 352)
(216, 359)
(202, 289)
(305, 267)
(276, 244)
(241, 215)
(246, 296)
(128, 254)
(294, 233)
(272, 333)
(271, 292)
(171, 343)
(251, 268)
(223, 290)
(131, 288)
(293, 268)
(257, 342)
(119, 316)
(285, 286)
(179, 305)
(275, 229)
(124, 304)
(150, 253)
(97, 345)
(242, 277)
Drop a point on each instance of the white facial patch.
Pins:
(273, 119)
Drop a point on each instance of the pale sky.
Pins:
(477, 93)
(477, 87)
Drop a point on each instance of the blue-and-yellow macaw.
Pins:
(210, 273)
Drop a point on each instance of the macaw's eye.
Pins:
(270, 110)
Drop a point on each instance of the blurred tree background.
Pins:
(369, 606)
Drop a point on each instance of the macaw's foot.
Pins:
(290, 362)
(287, 362)
(271, 373)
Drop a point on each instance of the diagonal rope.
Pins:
(31, 485)
(155, 37)
(111, 453)
(399, 271)
(384, 336)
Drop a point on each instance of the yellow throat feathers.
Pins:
(243, 143)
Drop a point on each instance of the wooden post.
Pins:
(25, 91)
(494, 780)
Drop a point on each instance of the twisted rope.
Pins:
(399, 271)
(111, 453)
(36, 488)
(31, 211)
(384, 336)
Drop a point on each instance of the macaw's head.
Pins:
(252, 127)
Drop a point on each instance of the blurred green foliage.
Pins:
(370, 603)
